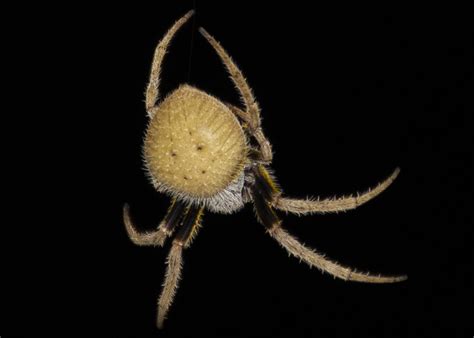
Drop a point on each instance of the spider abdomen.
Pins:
(194, 145)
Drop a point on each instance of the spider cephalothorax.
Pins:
(207, 154)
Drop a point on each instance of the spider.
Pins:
(211, 155)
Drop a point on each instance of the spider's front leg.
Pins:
(165, 229)
(264, 192)
(311, 205)
(183, 239)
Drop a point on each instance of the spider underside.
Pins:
(212, 155)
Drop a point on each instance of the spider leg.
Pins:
(268, 217)
(266, 153)
(152, 91)
(238, 78)
(310, 206)
(250, 103)
(244, 115)
(183, 239)
(165, 229)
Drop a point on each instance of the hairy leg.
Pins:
(152, 91)
(172, 277)
(267, 216)
(191, 224)
(252, 114)
(310, 206)
(238, 78)
(165, 229)
(313, 258)
(263, 143)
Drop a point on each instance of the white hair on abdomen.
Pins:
(226, 201)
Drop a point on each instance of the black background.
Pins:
(347, 95)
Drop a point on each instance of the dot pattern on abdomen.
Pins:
(194, 144)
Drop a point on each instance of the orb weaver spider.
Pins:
(211, 155)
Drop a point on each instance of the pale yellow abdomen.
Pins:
(194, 145)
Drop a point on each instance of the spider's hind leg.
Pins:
(251, 115)
(153, 88)
(265, 153)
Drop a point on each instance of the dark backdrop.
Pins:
(347, 95)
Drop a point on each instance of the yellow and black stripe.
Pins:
(173, 216)
(264, 193)
(190, 225)
(265, 213)
(265, 183)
